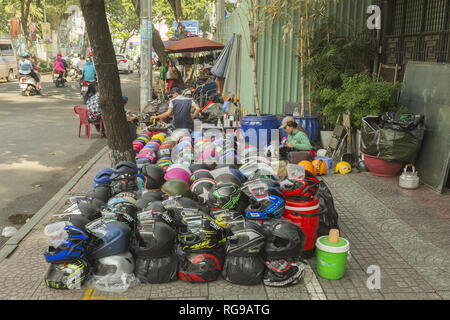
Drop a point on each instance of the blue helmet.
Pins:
(271, 206)
(114, 237)
(74, 248)
(125, 99)
(102, 177)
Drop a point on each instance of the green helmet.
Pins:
(176, 187)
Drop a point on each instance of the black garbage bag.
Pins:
(393, 137)
(244, 270)
(329, 215)
(157, 270)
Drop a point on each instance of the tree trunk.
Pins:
(178, 12)
(25, 11)
(253, 59)
(111, 103)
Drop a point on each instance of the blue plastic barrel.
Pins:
(265, 122)
(310, 124)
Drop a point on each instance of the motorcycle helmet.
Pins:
(140, 162)
(180, 166)
(167, 145)
(283, 272)
(208, 236)
(152, 145)
(224, 196)
(308, 166)
(227, 158)
(286, 240)
(155, 206)
(228, 178)
(138, 145)
(238, 175)
(164, 163)
(89, 210)
(200, 189)
(271, 205)
(124, 167)
(320, 167)
(103, 177)
(154, 176)
(185, 138)
(159, 240)
(113, 237)
(175, 187)
(147, 198)
(343, 168)
(201, 174)
(70, 275)
(102, 193)
(177, 173)
(147, 154)
(124, 183)
(114, 273)
(160, 137)
(201, 266)
(246, 240)
(72, 249)
(304, 189)
(164, 152)
(362, 166)
(197, 166)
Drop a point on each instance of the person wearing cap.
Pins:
(298, 140)
(181, 108)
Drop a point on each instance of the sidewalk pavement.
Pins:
(406, 233)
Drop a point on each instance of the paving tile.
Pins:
(444, 294)
(179, 289)
(222, 288)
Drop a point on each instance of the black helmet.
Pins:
(114, 237)
(154, 176)
(246, 240)
(102, 193)
(286, 241)
(124, 167)
(157, 270)
(158, 242)
(89, 210)
(208, 236)
(283, 272)
(197, 166)
(155, 206)
(124, 183)
(124, 212)
(201, 174)
(67, 275)
(200, 189)
(228, 178)
(200, 266)
(149, 197)
(224, 196)
(79, 221)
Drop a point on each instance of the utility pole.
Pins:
(144, 94)
(150, 53)
(46, 52)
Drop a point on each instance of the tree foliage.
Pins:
(123, 21)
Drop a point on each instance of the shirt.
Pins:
(300, 140)
(25, 67)
(92, 106)
(182, 112)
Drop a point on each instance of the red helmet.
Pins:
(304, 189)
(59, 54)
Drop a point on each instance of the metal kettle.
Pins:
(409, 179)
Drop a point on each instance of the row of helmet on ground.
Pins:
(117, 188)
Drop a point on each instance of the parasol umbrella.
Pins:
(194, 44)
(232, 83)
(220, 67)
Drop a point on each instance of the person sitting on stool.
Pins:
(297, 141)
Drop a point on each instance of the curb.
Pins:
(15, 240)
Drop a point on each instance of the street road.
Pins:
(39, 146)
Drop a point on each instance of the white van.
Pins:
(8, 61)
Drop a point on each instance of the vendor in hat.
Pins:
(298, 139)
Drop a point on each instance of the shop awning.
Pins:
(194, 44)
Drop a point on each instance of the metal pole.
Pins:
(150, 53)
(144, 55)
(46, 52)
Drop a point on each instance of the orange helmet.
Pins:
(320, 167)
(308, 166)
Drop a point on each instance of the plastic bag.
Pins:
(56, 234)
(157, 270)
(115, 283)
(243, 270)
(295, 172)
(328, 214)
(9, 232)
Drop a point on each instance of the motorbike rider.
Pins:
(26, 68)
(58, 66)
(74, 61)
(89, 72)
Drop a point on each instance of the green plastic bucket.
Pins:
(331, 257)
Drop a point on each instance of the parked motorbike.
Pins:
(59, 80)
(87, 89)
(28, 85)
